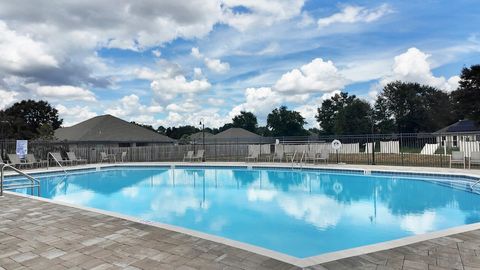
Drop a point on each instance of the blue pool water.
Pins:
(299, 213)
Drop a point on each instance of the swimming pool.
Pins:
(298, 213)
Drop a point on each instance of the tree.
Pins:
(413, 107)
(149, 127)
(327, 113)
(178, 132)
(162, 130)
(466, 99)
(283, 122)
(354, 118)
(245, 120)
(28, 116)
(344, 114)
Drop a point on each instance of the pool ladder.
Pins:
(20, 183)
(300, 163)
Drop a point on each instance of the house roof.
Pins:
(233, 133)
(199, 135)
(109, 128)
(461, 126)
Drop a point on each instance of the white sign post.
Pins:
(336, 144)
(22, 148)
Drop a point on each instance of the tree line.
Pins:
(401, 107)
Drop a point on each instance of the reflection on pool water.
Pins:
(299, 213)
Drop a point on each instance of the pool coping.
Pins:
(300, 262)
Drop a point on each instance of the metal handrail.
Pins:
(58, 162)
(32, 180)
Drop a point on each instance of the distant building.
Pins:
(110, 130)
(198, 137)
(233, 135)
(461, 131)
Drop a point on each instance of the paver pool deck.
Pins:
(35, 234)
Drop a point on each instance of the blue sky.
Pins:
(170, 63)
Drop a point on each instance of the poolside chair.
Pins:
(32, 159)
(58, 157)
(457, 157)
(105, 157)
(277, 155)
(314, 157)
(474, 159)
(323, 156)
(253, 156)
(72, 157)
(123, 157)
(199, 155)
(15, 161)
(188, 156)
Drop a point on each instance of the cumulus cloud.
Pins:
(260, 12)
(64, 92)
(7, 98)
(178, 85)
(316, 76)
(413, 66)
(19, 52)
(354, 14)
(196, 53)
(258, 100)
(166, 85)
(130, 108)
(74, 114)
(212, 64)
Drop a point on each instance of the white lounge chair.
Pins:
(73, 158)
(123, 157)
(314, 157)
(105, 157)
(60, 159)
(15, 161)
(457, 157)
(277, 156)
(199, 155)
(188, 156)
(253, 156)
(474, 159)
(32, 159)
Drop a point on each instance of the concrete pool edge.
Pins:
(300, 262)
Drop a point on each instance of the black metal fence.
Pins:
(431, 150)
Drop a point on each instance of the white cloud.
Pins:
(72, 115)
(64, 92)
(168, 84)
(413, 66)
(316, 76)
(19, 52)
(7, 98)
(177, 85)
(354, 14)
(261, 12)
(259, 101)
(212, 64)
(130, 108)
(186, 106)
(216, 65)
(157, 53)
(210, 116)
(196, 53)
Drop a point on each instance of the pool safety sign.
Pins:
(22, 148)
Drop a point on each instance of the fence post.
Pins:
(373, 150)
(401, 145)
